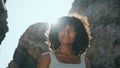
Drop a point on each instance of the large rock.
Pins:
(104, 20)
(31, 46)
(3, 20)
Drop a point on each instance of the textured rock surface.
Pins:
(104, 20)
(31, 46)
(3, 20)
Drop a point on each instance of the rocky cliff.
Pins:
(3, 20)
(104, 21)
(31, 46)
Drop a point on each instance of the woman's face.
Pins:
(67, 35)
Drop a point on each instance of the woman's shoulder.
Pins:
(44, 60)
(87, 62)
(45, 55)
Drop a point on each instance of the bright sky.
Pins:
(22, 14)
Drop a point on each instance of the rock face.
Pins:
(104, 20)
(31, 46)
(3, 20)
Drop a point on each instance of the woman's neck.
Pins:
(66, 50)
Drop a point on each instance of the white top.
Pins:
(56, 64)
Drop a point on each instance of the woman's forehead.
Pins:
(70, 26)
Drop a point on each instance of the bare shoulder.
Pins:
(44, 60)
(45, 55)
(87, 62)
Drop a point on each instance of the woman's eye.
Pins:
(72, 30)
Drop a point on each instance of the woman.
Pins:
(68, 40)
